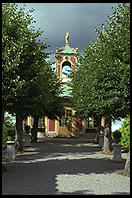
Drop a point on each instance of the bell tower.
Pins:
(66, 60)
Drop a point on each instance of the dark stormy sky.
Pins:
(79, 19)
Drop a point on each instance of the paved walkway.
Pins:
(65, 167)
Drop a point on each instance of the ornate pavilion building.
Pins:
(66, 60)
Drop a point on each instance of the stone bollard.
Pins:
(127, 164)
(117, 152)
(101, 141)
(10, 152)
(26, 140)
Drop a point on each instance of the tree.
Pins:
(32, 86)
(15, 38)
(101, 85)
(22, 58)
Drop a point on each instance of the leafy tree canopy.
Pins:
(28, 83)
(101, 85)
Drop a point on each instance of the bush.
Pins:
(125, 131)
(10, 127)
(117, 136)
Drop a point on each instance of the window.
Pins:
(66, 69)
(41, 122)
(92, 122)
(66, 120)
(89, 122)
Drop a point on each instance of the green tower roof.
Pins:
(68, 50)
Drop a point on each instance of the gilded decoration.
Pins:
(67, 38)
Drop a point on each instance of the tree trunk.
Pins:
(109, 122)
(34, 129)
(19, 132)
(107, 147)
(98, 120)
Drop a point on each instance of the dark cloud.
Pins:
(79, 19)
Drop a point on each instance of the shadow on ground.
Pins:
(35, 172)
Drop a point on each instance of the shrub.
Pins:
(125, 131)
(117, 136)
(10, 127)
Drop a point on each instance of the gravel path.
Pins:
(58, 166)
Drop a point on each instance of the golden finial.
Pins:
(67, 38)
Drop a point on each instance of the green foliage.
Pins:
(4, 136)
(22, 56)
(117, 136)
(69, 122)
(44, 95)
(8, 129)
(16, 37)
(125, 131)
(29, 85)
(101, 85)
(10, 126)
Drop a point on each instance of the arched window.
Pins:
(66, 69)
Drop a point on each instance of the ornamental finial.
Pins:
(67, 38)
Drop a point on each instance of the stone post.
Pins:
(117, 152)
(26, 140)
(127, 164)
(10, 152)
(101, 141)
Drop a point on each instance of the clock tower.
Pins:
(66, 60)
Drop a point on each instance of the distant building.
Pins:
(66, 60)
